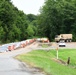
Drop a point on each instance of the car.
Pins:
(38, 39)
(62, 44)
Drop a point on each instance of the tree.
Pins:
(13, 23)
(31, 17)
(32, 20)
(57, 17)
(30, 31)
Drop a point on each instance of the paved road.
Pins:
(11, 66)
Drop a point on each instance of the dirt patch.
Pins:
(44, 44)
(59, 61)
(28, 68)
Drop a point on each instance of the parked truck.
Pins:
(63, 37)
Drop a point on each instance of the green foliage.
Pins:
(30, 31)
(31, 17)
(14, 24)
(57, 17)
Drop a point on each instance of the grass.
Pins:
(45, 45)
(44, 60)
(68, 53)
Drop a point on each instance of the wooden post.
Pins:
(68, 61)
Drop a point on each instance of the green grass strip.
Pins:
(44, 60)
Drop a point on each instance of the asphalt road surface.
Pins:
(11, 66)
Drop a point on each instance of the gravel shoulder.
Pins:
(54, 45)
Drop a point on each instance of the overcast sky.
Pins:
(28, 6)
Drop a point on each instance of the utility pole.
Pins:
(57, 52)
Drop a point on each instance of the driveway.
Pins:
(11, 66)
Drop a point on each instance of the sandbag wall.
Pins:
(16, 45)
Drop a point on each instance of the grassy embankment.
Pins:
(48, 63)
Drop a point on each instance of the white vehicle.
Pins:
(43, 40)
(38, 39)
(62, 44)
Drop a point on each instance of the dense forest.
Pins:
(14, 24)
(56, 17)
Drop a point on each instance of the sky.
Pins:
(28, 6)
